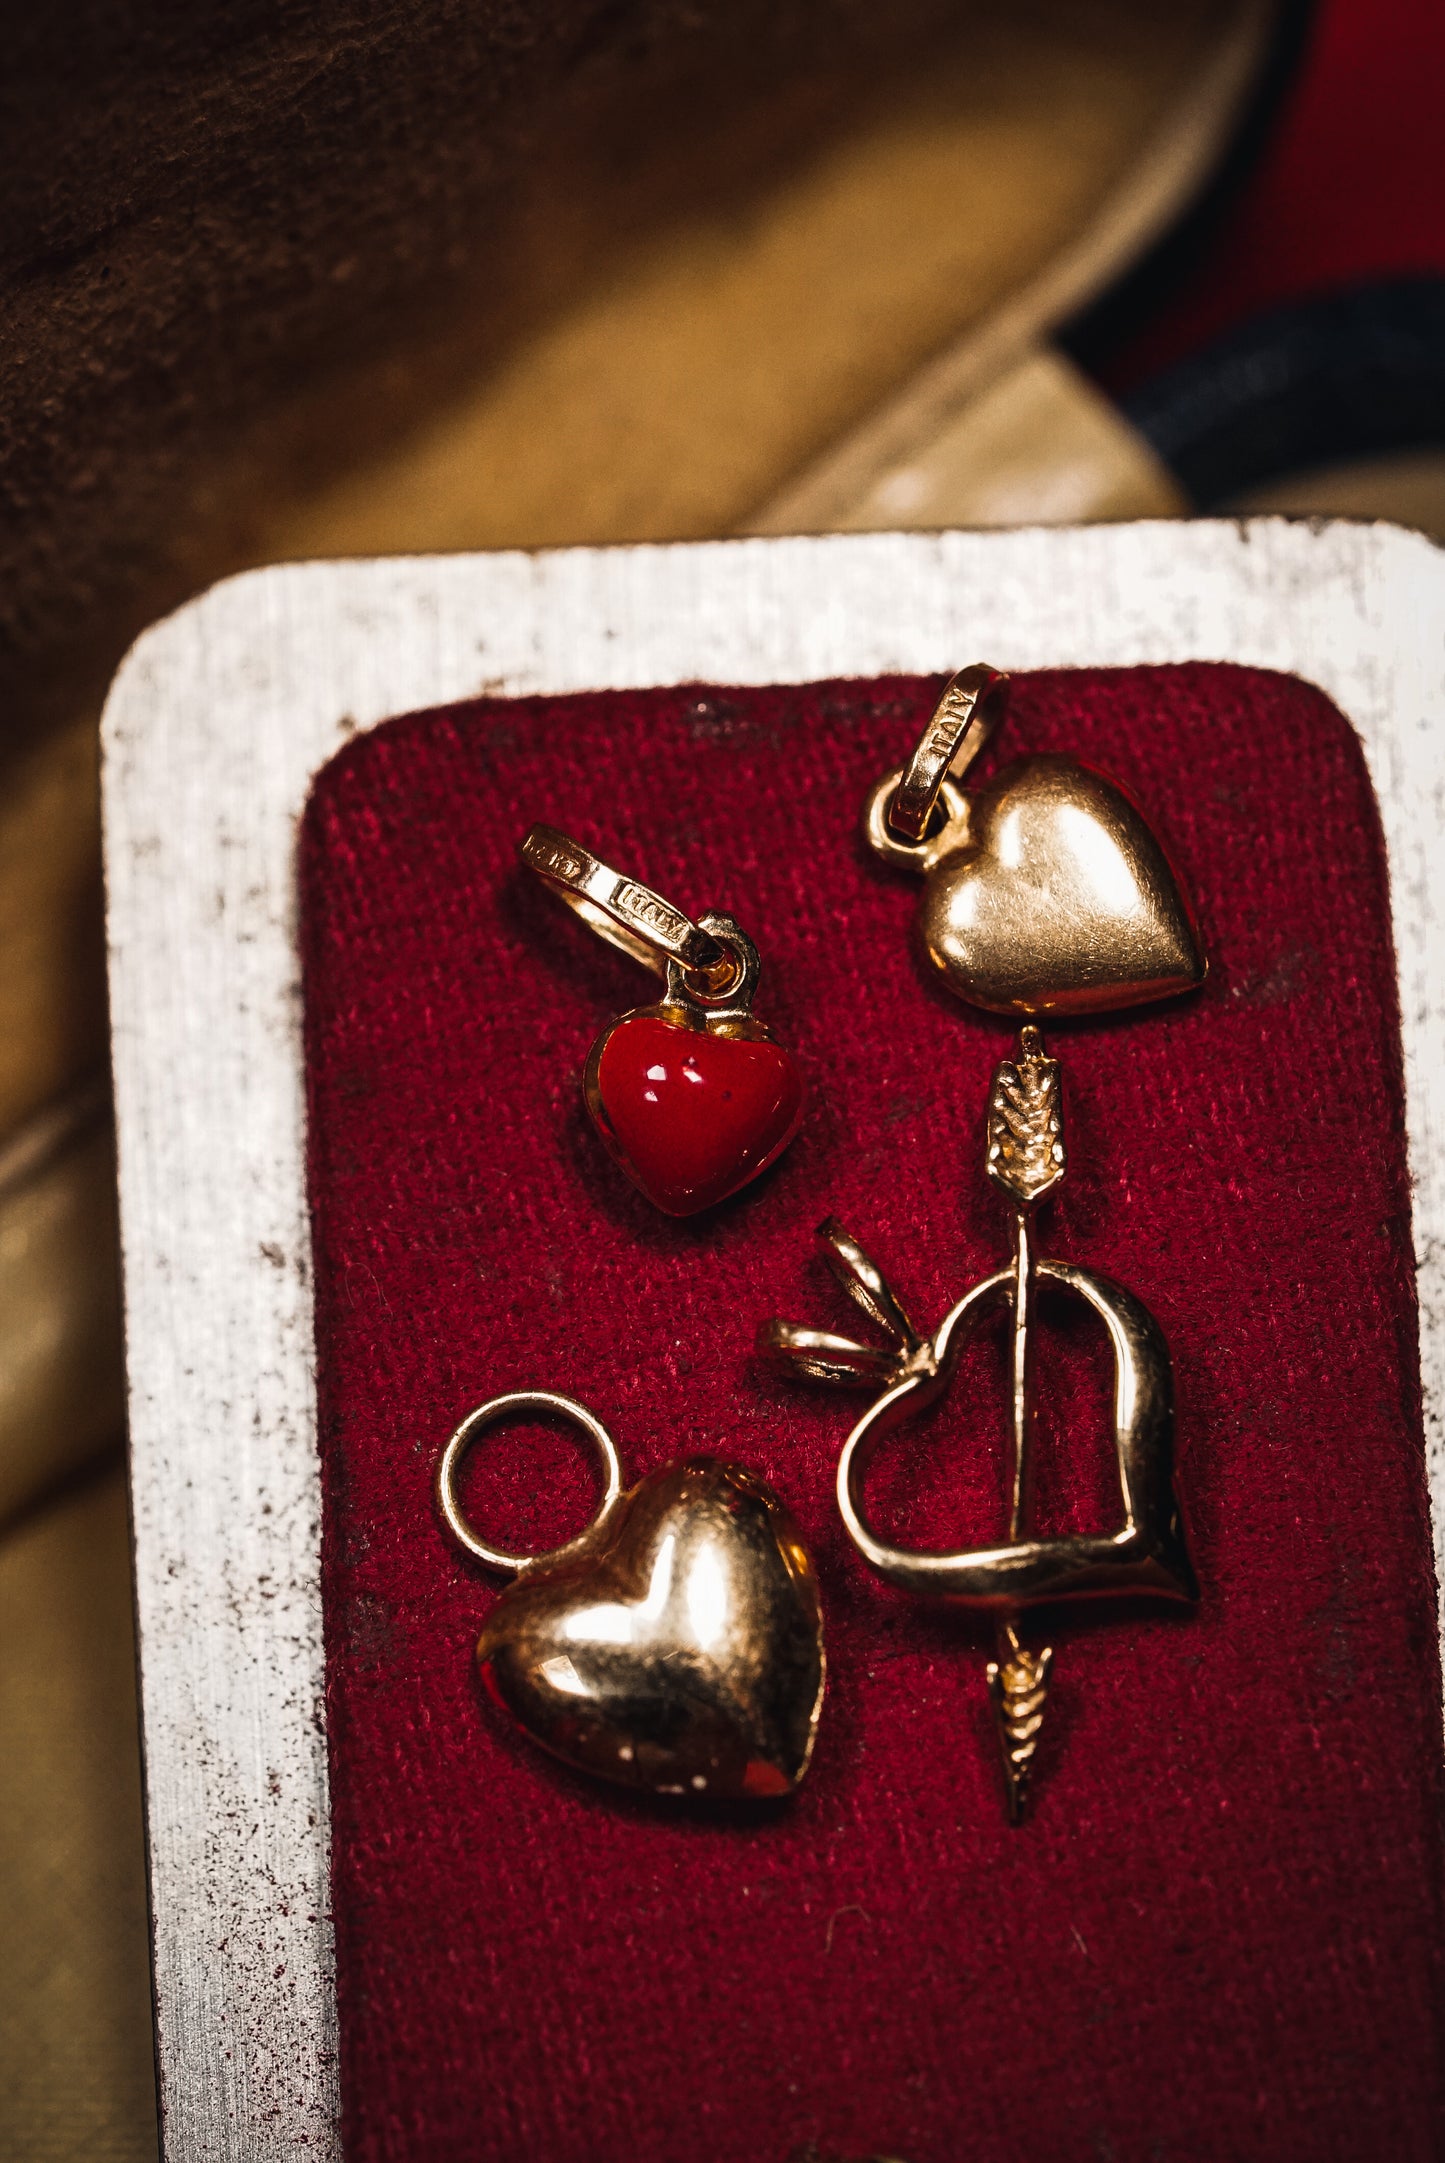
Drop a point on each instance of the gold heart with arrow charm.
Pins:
(1145, 1552)
(1046, 891)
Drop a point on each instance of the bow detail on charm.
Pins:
(1145, 1552)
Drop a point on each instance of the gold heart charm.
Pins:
(676, 1645)
(1047, 891)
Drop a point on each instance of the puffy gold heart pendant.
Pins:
(676, 1645)
(1047, 891)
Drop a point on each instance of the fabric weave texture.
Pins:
(1219, 1932)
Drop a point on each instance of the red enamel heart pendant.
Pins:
(691, 1114)
(691, 1096)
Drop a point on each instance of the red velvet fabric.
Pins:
(1219, 1933)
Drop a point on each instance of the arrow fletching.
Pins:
(1018, 1687)
(1026, 1123)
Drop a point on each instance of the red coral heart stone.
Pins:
(689, 1116)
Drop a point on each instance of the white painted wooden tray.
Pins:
(217, 721)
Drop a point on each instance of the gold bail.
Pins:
(971, 708)
(1045, 889)
(626, 913)
(525, 1404)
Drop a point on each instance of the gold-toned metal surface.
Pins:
(518, 1404)
(1025, 1151)
(1025, 1157)
(675, 1645)
(1044, 892)
(1146, 1553)
(728, 1012)
(972, 705)
(625, 912)
(1018, 1684)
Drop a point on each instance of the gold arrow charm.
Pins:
(1146, 1554)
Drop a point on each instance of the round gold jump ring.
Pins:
(513, 1406)
(951, 804)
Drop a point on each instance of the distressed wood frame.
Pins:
(216, 723)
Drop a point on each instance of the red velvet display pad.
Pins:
(1218, 1936)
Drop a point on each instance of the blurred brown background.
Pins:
(330, 279)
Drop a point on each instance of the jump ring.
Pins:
(625, 912)
(912, 855)
(732, 985)
(516, 1404)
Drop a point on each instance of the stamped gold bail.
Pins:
(629, 915)
(973, 704)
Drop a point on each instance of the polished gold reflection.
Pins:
(676, 1645)
(682, 1652)
(1054, 897)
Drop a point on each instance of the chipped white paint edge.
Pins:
(216, 723)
